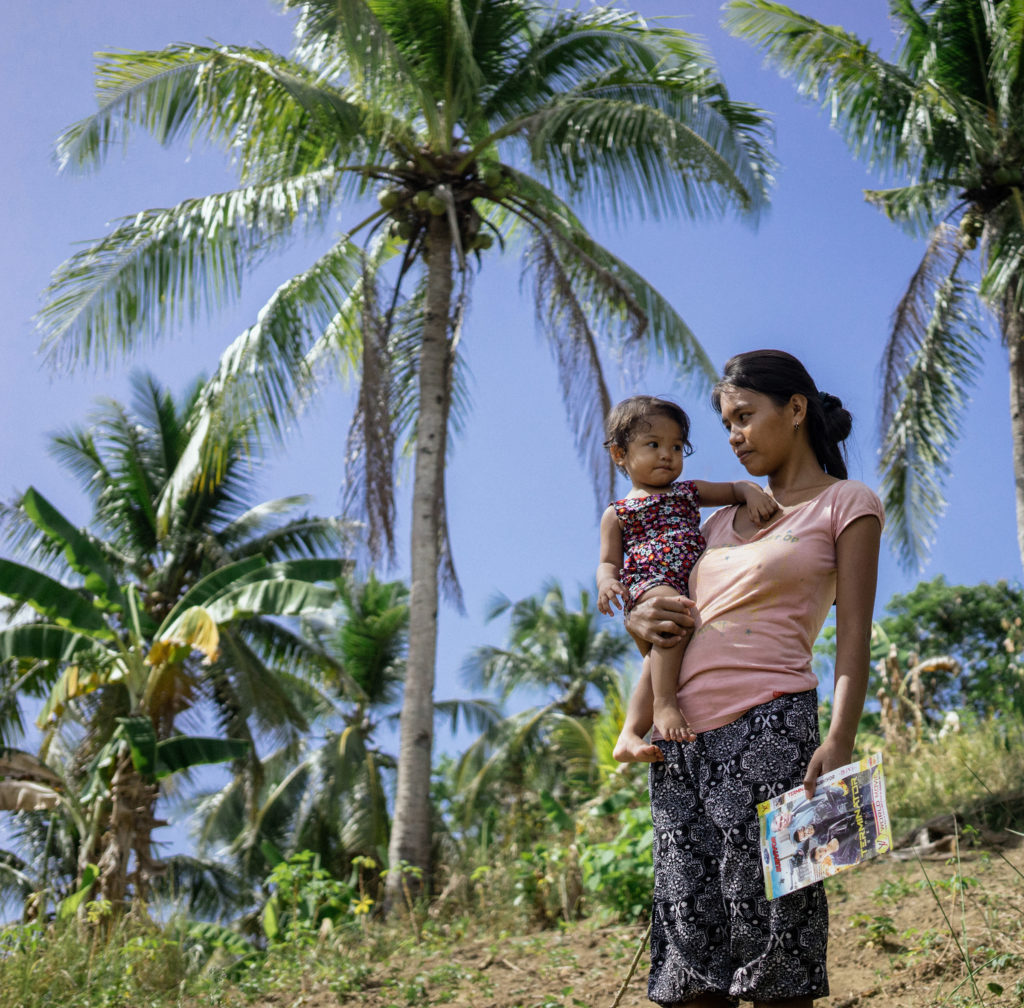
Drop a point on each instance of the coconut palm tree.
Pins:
(327, 793)
(945, 120)
(102, 661)
(469, 117)
(124, 460)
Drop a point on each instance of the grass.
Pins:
(946, 932)
(952, 932)
(977, 772)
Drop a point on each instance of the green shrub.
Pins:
(618, 874)
(977, 771)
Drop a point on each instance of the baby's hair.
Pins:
(631, 417)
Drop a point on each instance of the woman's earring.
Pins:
(796, 426)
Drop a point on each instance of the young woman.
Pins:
(760, 596)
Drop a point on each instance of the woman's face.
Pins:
(760, 431)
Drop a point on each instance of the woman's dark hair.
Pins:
(780, 376)
(631, 417)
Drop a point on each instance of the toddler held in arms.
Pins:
(651, 538)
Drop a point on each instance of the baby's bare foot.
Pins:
(631, 748)
(670, 722)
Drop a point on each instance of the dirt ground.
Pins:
(901, 933)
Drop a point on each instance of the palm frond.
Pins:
(118, 461)
(263, 378)
(370, 447)
(916, 207)
(580, 44)
(1007, 40)
(573, 747)
(625, 141)
(164, 266)
(930, 360)
(563, 316)
(346, 40)
(476, 715)
(262, 694)
(370, 640)
(508, 743)
(260, 531)
(359, 789)
(913, 315)
(869, 98)
(276, 117)
(583, 290)
(1002, 283)
(202, 888)
(622, 299)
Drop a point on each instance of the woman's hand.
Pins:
(662, 619)
(828, 756)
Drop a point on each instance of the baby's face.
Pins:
(654, 456)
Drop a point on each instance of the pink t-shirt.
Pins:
(761, 604)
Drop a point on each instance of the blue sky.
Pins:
(819, 277)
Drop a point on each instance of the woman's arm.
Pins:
(857, 575)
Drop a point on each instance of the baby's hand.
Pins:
(610, 593)
(760, 507)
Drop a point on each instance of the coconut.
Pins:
(972, 224)
(389, 198)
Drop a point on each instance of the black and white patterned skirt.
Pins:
(713, 930)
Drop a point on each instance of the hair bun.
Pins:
(838, 421)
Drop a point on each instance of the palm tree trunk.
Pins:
(1014, 334)
(410, 828)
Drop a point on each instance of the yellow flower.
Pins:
(362, 906)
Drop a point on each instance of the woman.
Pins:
(748, 694)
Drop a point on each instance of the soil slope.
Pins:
(902, 935)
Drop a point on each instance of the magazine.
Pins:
(804, 840)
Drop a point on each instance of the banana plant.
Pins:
(96, 657)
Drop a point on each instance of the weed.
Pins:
(957, 885)
(414, 990)
(918, 941)
(351, 977)
(836, 887)
(878, 928)
(894, 890)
